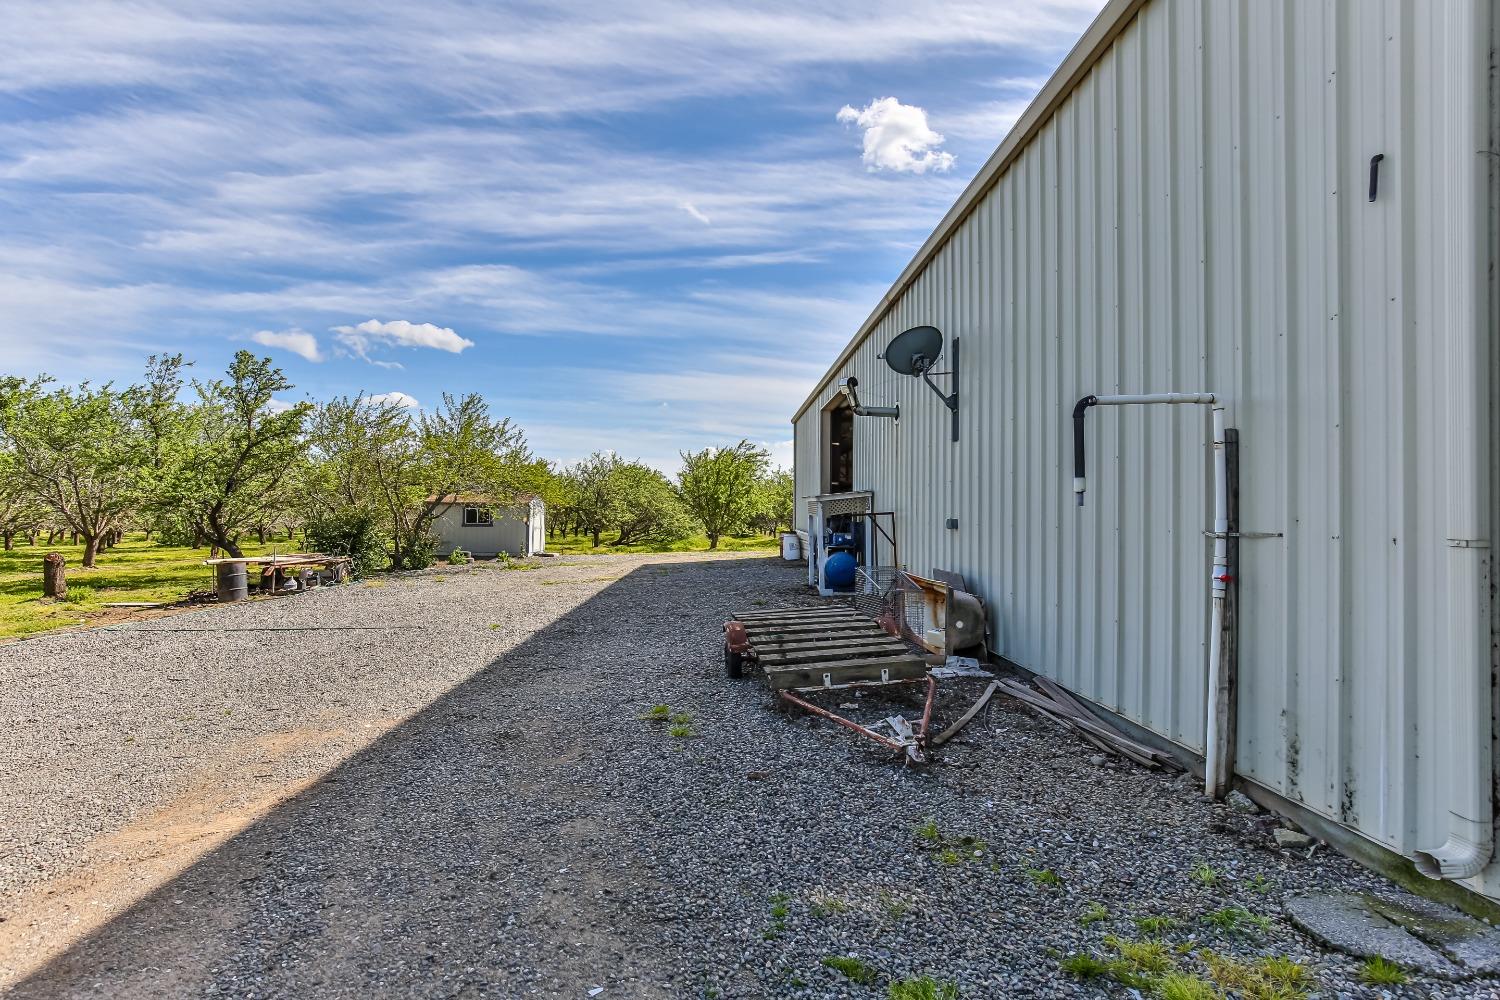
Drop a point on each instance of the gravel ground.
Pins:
(441, 785)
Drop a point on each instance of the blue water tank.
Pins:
(838, 571)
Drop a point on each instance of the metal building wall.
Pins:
(1193, 216)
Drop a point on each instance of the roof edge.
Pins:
(1091, 45)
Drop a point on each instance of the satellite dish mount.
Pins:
(915, 352)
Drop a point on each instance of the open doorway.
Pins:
(838, 462)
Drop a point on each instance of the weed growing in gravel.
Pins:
(854, 969)
(1093, 913)
(374, 583)
(1183, 986)
(681, 731)
(1205, 876)
(1259, 884)
(922, 988)
(1157, 925)
(948, 856)
(682, 718)
(1378, 971)
(779, 912)
(657, 713)
(1234, 918)
(1085, 966)
(1271, 978)
(1285, 973)
(824, 906)
(1045, 877)
(1149, 957)
(893, 906)
(457, 557)
(929, 833)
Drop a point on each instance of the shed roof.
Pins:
(467, 498)
(1112, 20)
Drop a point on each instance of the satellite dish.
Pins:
(914, 351)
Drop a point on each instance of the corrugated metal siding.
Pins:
(1194, 217)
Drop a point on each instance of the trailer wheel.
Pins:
(734, 663)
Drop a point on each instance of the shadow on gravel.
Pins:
(484, 847)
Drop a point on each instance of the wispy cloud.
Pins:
(297, 341)
(400, 399)
(371, 333)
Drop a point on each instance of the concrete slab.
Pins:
(1406, 929)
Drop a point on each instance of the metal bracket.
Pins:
(950, 399)
(828, 680)
(1243, 534)
(1469, 543)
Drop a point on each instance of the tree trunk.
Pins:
(713, 539)
(90, 551)
(595, 534)
(260, 531)
(10, 539)
(54, 575)
(31, 536)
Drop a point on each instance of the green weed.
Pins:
(1093, 913)
(929, 833)
(681, 731)
(1148, 956)
(1378, 971)
(1045, 877)
(657, 713)
(1235, 918)
(1155, 926)
(1182, 986)
(922, 988)
(1084, 966)
(853, 969)
(1206, 876)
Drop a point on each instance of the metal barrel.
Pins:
(231, 582)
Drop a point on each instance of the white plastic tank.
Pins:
(791, 546)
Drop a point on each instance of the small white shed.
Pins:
(485, 527)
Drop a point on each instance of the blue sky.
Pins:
(642, 227)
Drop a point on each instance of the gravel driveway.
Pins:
(441, 785)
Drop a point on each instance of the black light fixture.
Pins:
(914, 352)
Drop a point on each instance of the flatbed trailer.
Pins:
(804, 650)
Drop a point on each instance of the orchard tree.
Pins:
(596, 507)
(649, 509)
(77, 452)
(718, 486)
(241, 447)
(775, 499)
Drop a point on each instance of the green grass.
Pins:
(657, 713)
(1093, 913)
(1085, 966)
(1234, 918)
(681, 731)
(929, 833)
(1043, 876)
(1183, 986)
(583, 545)
(134, 570)
(854, 969)
(922, 988)
(1379, 971)
(1206, 876)
(1155, 926)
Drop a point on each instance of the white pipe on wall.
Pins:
(1464, 675)
(1218, 576)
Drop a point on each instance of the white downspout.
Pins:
(1218, 590)
(1466, 667)
(1218, 576)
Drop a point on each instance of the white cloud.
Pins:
(294, 340)
(274, 405)
(398, 333)
(897, 137)
(692, 210)
(400, 399)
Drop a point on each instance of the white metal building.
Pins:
(485, 527)
(1187, 207)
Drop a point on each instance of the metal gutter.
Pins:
(1112, 20)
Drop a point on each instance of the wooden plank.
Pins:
(967, 717)
(800, 645)
(746, 616)
(829, 628)
(845, 671)
(806, 620)
(835, 653)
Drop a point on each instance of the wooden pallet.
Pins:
(826, 646)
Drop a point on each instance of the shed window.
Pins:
(477, 517)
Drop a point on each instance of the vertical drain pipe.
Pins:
(1214, 783)
(1465, 677)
